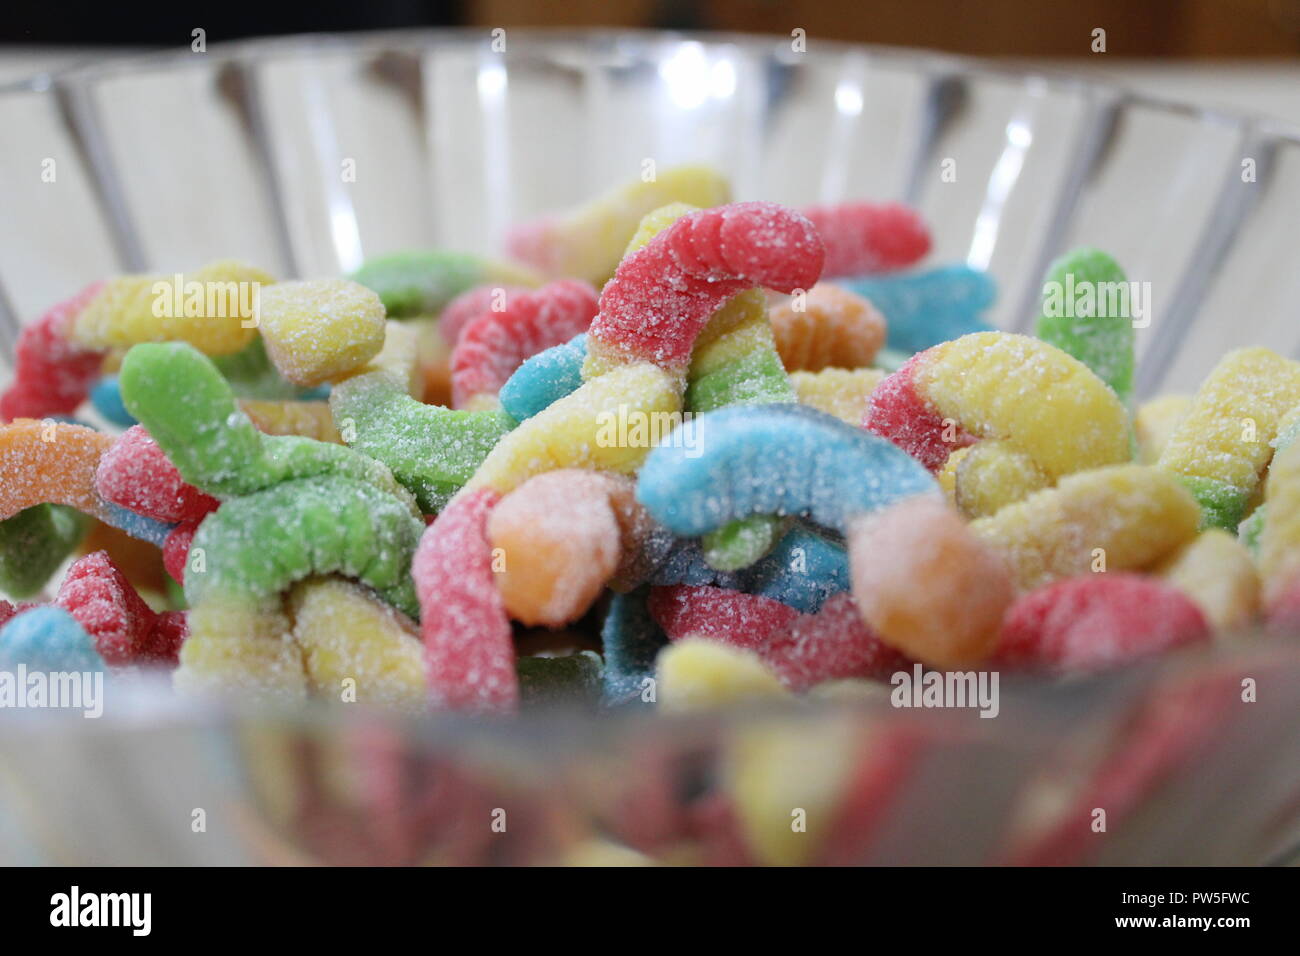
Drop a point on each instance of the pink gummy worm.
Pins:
(52, 375)
(863, 238)
(802, 649)
(662, 294)
(469, 650)
(492, 345)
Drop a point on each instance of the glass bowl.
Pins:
(306, 155)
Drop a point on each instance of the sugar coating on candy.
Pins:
(556, 541)
(213, 309)
(1125, 517)
(947, 475)
(829, 327)
(739, 544)
(305, 419)
(47, 639)
(162, 648)
(492, 345)
(1155, 421)
(841, 392)
(927, 584)
(662, 294)
(544, 379)
(630, 641)
(251, 374)
(472, 303)
(735, 361)
(696, 674)
(102, 600)
(1097, 621)
(136, 474)
(589, 241)
(469, 653)
(317, 329)
(33, 543)
(1279, 540)
(802, 650)
(922, 309)
(772, 459)
(432, 451)
(864, 237)
(993, 474)
(1036, 397)
(240, 649)
(802, 570)
(176, 549)
(609, 424)
(896, 410)
(422, 281)
(346, 633)
(255, 546)
(1222, 445)
(730, 617)
(189, 409)
(50, 462)
(1217, 572)
(1078, 299)
(52, 374)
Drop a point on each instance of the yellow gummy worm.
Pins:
(1279, 542)
(1124, 517)
(841, 392)
(993, 474)
(309, 419)
(245, 649)
(213, 309)
(588, 242)
(317, 330)
(1036, 397)
(347, 634)
(1155, 421)
(698, 674)
(1216, 571)
(609, 424)
(1223, 444)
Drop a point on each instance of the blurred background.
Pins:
(1243, 54)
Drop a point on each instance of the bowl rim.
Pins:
(934, 63)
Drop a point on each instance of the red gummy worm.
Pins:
(863, 237)
(136, 474)
(493, 344)
(98, 595)
(802, 649)
(1097, 621)
(663, 293)
(468, 645)
(52, 375)
(472, 303)
(898, 412)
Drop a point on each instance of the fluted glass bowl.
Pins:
(306, 155)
